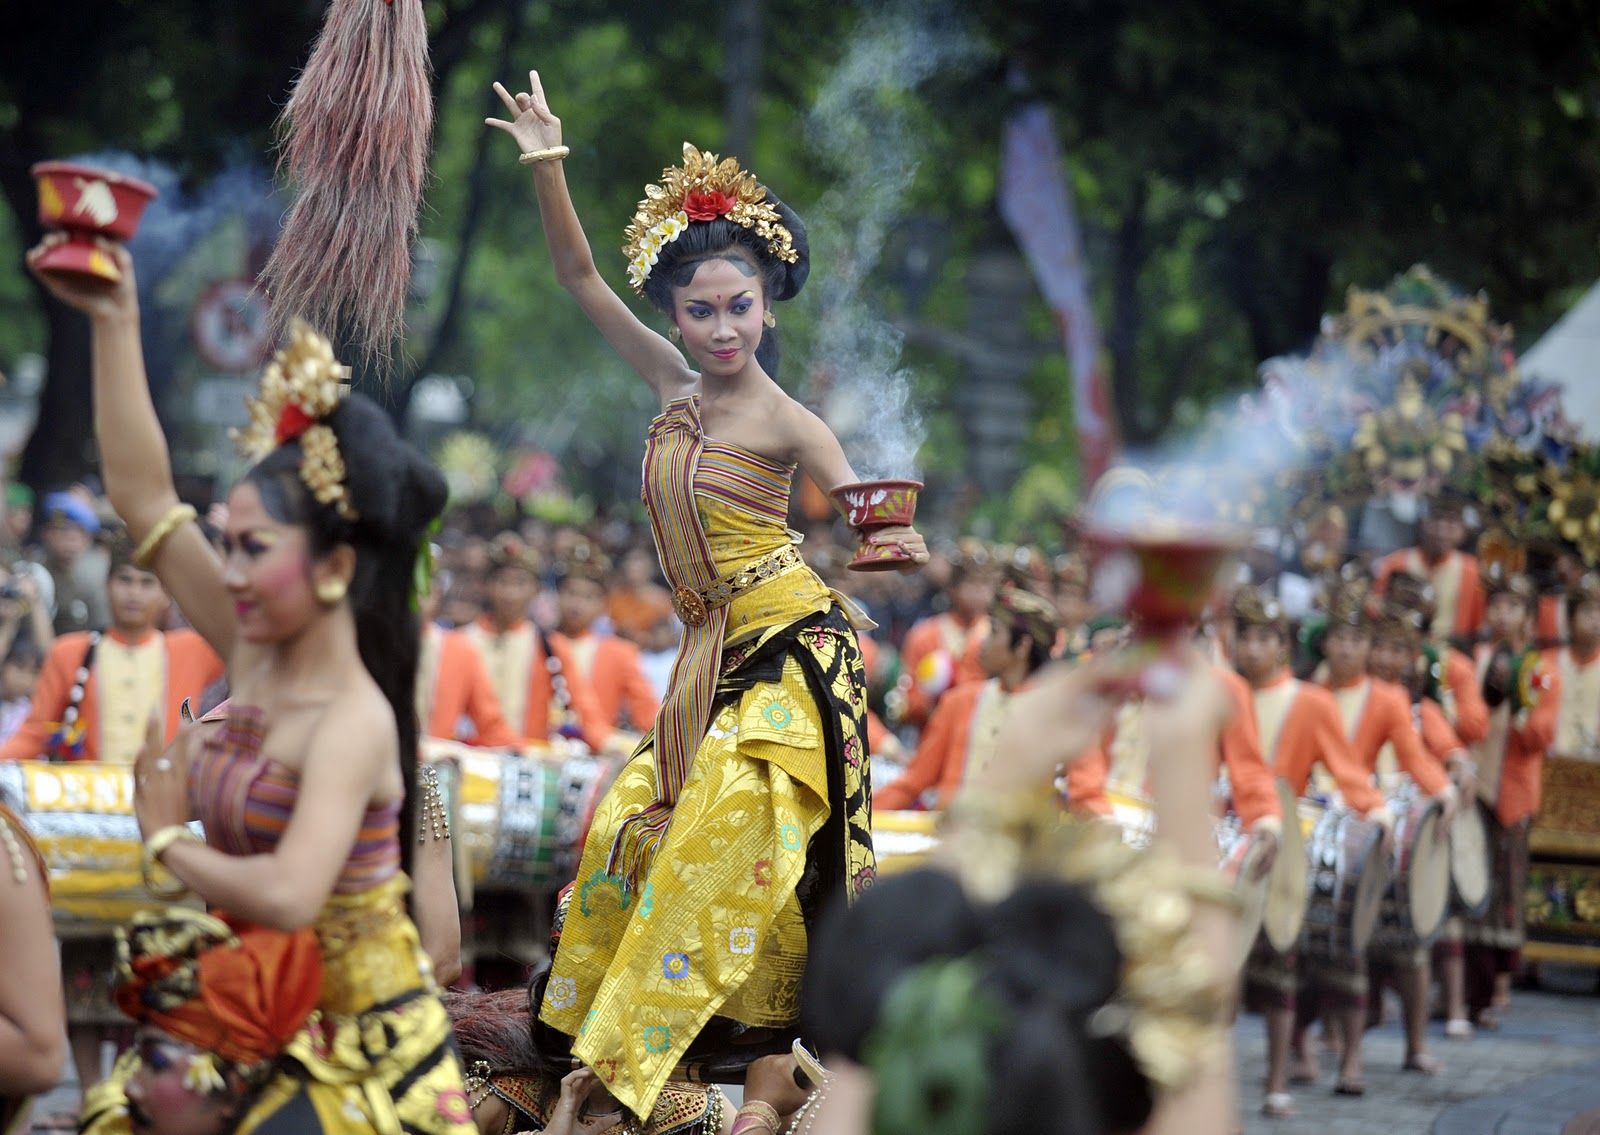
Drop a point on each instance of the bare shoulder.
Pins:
(677, 385)
(796, 427)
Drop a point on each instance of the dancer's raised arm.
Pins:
(537, 131)
(135, 463)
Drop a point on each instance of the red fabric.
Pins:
(1472, 712)
(253, 995)
(1527, 742)
(1255, 793)
(292, 422)
(941, 758)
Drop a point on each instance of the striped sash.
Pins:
(671, 460)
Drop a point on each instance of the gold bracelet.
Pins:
(761, 1113)
(548, 154)
(177, 516)
(155, 847)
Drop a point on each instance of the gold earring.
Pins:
(331, 591)
(768, 318)
(673, 333)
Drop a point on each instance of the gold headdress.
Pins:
(702, 189)
(301, 386)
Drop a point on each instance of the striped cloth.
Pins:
(245, 801)
(679, 463)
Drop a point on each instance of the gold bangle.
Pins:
(177, 516)
(155, 847)
(548, 154)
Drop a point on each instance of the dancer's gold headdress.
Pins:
(702, 189)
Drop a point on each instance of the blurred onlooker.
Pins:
(76, 566)
(19, 673)
(638, 602)
(658, 649)
(24, 616)
(19, 515)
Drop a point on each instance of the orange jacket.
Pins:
(1386, 719)
(1471, 711)
(941, 758)
(462, 689)
(617, 679)
(1255, 795)
(1313, 733)
(536, 718)
(1551, 625)
(929, 635)
(191, 666)
(1437, 735)
(1527, 740)
(1470, 602)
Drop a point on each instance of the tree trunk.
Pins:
(744, 22)
(1134, 424)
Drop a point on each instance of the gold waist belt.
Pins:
(693, 607)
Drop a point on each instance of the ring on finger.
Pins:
(163, 765)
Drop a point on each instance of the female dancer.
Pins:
(304, 793)
(33, 1016)
(758, 756)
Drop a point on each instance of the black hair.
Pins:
(1038, 652)
(396, 493)
(24, 652)
(724, 240)
(1045, 952)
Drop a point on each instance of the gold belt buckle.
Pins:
(690, 607)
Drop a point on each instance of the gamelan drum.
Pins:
(522, 819)
(902, 840)
(1241, 856)
(1414, 907)
(81, 814)
(1285, 910)
(1469, 861)
(1346, 880)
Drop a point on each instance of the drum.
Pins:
(1285, 909)
(902, 840)
(1469, 862)
(1240, 856)
(1346, 883)
(522, 820)
(1414, 907)
(81, 814)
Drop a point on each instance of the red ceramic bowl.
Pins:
(871, 505)
(88, 202)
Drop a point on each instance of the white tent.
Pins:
(1569, 353)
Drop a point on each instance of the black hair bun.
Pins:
(794, 275)
(395, 491)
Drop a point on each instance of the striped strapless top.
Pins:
(245, 800)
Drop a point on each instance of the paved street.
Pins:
(1533, 1077)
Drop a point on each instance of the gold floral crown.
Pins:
(301, 386)
(702, 189)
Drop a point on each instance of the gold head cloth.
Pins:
(702, 189)
(301, 387)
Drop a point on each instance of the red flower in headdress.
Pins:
(292, 422)
(707, 205)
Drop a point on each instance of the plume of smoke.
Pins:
(864, 131)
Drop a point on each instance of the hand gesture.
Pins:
(161, 779)
(532, 124)
(909, 540)
(98, 299)
(575, 1089)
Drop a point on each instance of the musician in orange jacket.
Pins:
(1578, 665)
(1453, 573)
(609, 663)
(1523, 693)
(1452, 678)
(97, 692)
(539, 685)
(453, 687)
(1300, 728)
(1384, 738)
(959, 739)
(949, 641)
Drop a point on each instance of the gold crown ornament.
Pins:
(301, 387)
(702, 189)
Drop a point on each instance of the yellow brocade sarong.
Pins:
(376, 1056)
(717, 926)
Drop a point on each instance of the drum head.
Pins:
(1286, 886)
(1376, 872)
(1469, 859)
(1428, 893)
(1252, 892)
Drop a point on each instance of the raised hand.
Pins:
(531, 124)
(94, 297)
